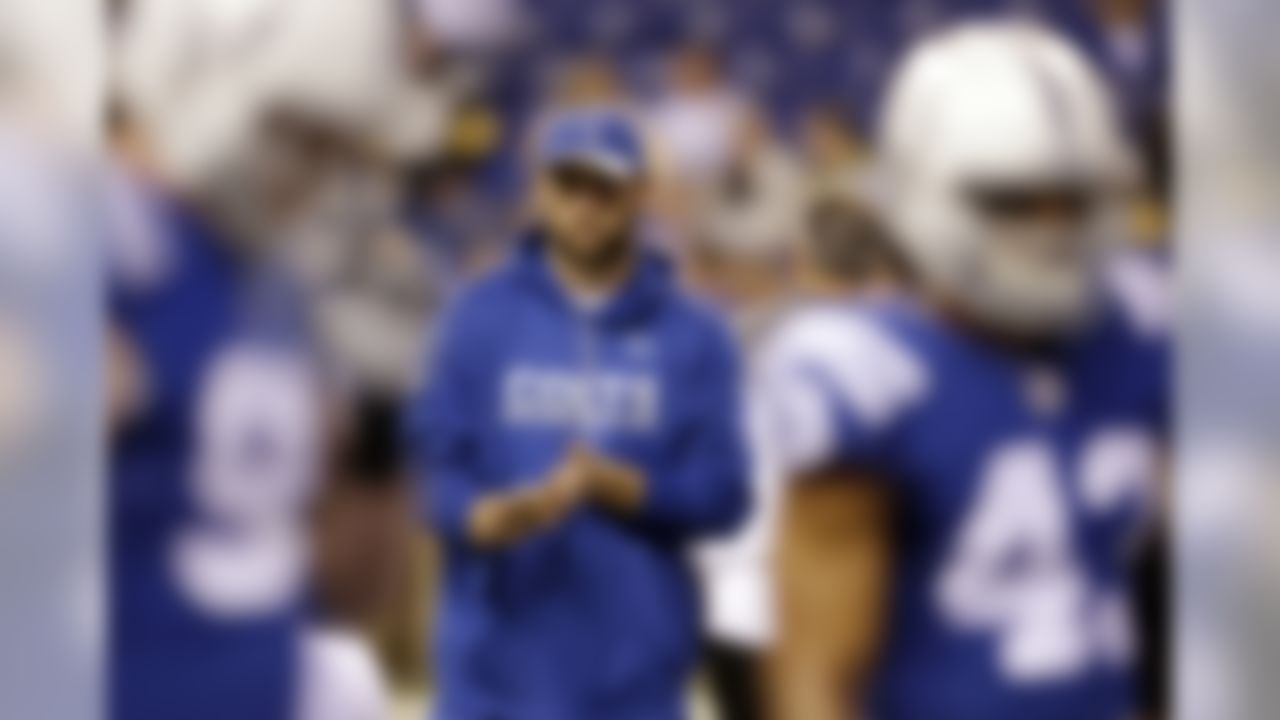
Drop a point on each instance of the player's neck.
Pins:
(1031, 347)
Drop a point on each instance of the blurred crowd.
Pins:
(753, 109)
(758, 113)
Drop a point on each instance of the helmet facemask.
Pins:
(1031, 257)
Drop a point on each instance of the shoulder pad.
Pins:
(830, 362)
(1140, 288)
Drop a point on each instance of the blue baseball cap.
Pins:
(604, 140)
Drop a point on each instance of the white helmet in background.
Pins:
(211, 83)
(1002, 166)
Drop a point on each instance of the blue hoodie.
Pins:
(596, 618)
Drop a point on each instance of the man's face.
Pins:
(586, 214)
(1048, 225)
(1033, 269)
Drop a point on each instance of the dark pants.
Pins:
(1153, 582)
(736, 678)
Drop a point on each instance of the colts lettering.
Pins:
(605, 401)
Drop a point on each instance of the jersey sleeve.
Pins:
(831, 388)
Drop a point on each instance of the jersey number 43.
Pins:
(1017, 570)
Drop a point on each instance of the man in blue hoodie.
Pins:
(580, 429)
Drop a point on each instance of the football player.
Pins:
(968, 464)
(240, 116)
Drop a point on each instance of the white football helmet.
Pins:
(983, 123)
(209, 85)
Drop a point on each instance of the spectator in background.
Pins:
(589, 80)
(746, 223)
(848, 251)
(833, 150)
(459, 225)
(469, 27)
(697, 117)
(1130, 42)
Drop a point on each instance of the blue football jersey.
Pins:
(1023, 484)
(209, 478)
